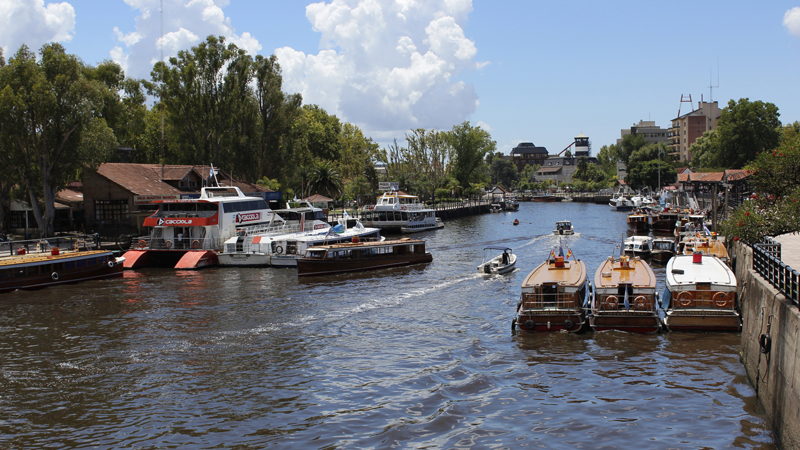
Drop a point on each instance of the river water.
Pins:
(413, 357)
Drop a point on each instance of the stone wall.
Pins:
(775, 374)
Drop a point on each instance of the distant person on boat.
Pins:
(180, 240)
(505, 258)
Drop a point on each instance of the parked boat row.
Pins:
(700, 295)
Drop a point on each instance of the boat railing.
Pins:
(560, 301)
(187, 243)
(767, 262)
(707, 301)
(613, 303)
(10, 247)
(267, 230)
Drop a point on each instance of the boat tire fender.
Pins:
(195, 244)
(720, 299)
(514, 324)
(530, 325)
(568, 324)
(111, 264)
(142, 243)
(279, 249)
(765, 342)
(519, 304)
(685, 299)
(54, 276)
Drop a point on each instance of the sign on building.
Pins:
(146, 199)
(388, 186)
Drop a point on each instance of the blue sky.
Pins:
(527, 71)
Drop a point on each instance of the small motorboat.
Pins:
(564, 227)
(663, 248)
(500, 264)
(495, 208)
(639, 246)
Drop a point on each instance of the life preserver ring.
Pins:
(195, 244)
(54, 276)
(720, 299)
(403, 207)
(640, 302)
(111, 264)
(168, 244)
(686, 299)
(279, 249)
(611, 302)
(142, 243)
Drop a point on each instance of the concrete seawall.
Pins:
(774, 372)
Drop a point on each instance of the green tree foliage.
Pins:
(51, 124)
(775, 206)
(587, 171)
(470, 145)
(645, 164)
(630, 143)
(502, 171)
(205, 93)
(608, 156)
(326, 180)
(745, 128)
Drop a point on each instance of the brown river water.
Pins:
(414, 357)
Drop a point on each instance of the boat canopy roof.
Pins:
(682, 270)
(497, 247)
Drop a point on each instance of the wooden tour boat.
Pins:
(49, 266)
(625, 296)
(500, 264)
(360, 256)
(662, 249)
(707, 244)
(554, 296)
(700, 295)
(638, 222)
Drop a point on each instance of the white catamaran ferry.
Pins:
(398, 212)
(186, 234)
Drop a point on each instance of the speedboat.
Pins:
(621, 203)
(625, 296)
(700, 295)
(500, 264)
(564, 227)
(495, 208)
(638, 246)
(554, 296)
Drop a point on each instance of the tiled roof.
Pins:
(145, 179)
(683, 178)
(707, 177)
(318, 198)
(544, 170)
(737, 174)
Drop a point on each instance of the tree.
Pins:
(608, 156)
(470, 145)
(645, 164)
(630, 143)
(503, 172)
(744, 129)
(204, 92)
(326, 180)
(51, 126)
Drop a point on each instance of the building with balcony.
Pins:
(526, 153)
(687, 128)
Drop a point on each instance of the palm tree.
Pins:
(304, 173)
(326, 180)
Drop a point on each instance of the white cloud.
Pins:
(186, 24)
(34, 24)
(791, 20)
(387, 65)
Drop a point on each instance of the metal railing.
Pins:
(67, 242)
(767, 262)
(148, 243)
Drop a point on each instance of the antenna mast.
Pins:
(161, 44)
(711, 86)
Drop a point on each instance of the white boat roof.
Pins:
(639, 239)
(681, 271)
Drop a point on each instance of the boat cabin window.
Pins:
(317, 254)
(246, 205)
